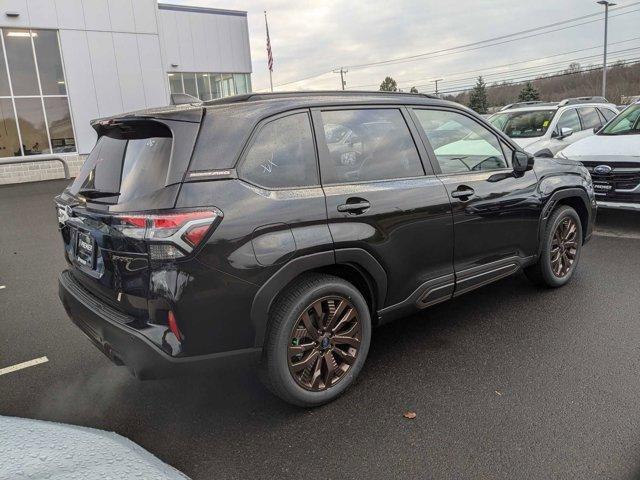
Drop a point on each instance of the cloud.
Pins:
(314, 37)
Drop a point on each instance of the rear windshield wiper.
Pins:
(92, 193)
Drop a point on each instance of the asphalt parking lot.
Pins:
(509, 381)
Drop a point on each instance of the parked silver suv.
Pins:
(544, 129)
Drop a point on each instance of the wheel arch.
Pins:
(575, 197)
(355, 265)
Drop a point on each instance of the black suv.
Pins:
(283, 227)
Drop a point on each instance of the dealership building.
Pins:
(66, 62)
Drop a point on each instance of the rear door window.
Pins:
(366, 145)
(569, 119)
(607, 114)
(282, 155)
(590, 118)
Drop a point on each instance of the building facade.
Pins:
(66, 62)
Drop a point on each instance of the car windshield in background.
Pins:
(627, 123)
(532, 123)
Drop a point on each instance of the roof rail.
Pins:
(247, 97)
(579, 100)
(537, 103)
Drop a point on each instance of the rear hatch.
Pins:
(131, 178)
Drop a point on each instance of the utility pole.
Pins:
(606, 4)
(342, 73)
(436, 82)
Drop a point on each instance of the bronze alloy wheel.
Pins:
(324, 344)
(564, 247)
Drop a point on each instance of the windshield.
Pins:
(119, 170)
(532, 123)
(627, 123)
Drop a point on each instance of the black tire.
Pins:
(542, 272)
(286, 314)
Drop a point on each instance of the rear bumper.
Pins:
(124, 345)
(619, 205)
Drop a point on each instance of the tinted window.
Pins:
(569, 119)
(460, 143)
(589, 117)
(368, 144)
(607, 114)
(133, 168)
(282, 155)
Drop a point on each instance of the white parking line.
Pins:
(2, 287)
(20, 366)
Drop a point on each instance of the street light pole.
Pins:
(606, 4)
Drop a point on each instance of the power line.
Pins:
(477, 45)
(449, 75)
(511, 35)
(562, 73)
(535, 66)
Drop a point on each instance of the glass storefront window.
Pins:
(49, 62)
(189, 81)
(59, 122)
(9, 141)
(33, 128)
(22, 66)
(209, 86)
(175, 83)
(34, 108)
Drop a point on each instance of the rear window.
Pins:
(120, 170)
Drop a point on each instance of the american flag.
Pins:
(269, 53)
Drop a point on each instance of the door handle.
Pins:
(354, 205)
(463, 192)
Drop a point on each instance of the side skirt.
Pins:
(448, 286)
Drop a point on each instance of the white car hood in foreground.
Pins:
(604, 145)
(33, 449)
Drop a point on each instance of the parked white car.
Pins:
(613, 158)
(544, 129)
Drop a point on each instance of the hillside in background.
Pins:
(622, 79)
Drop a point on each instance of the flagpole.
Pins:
(270, 57)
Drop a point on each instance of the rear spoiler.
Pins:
(184, 99)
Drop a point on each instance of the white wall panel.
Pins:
(185, 42)
(70, 14)
(17, 6)
(96, 15)
(153, 75)
(144, 12)
(105, 73)
(42, 13)
(129, 71)
(82, 95)
(169, 41)
(199, 42)
(121, 13)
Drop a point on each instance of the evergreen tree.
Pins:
(528, 93)
(413, 90)
(478, 97)
(389, 85)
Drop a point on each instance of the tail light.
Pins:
(173, 325)
(171, 235)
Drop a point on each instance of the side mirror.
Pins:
(563, 133)
(522, 161)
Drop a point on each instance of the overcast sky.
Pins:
(310, 37)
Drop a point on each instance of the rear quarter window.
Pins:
(282, 154)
